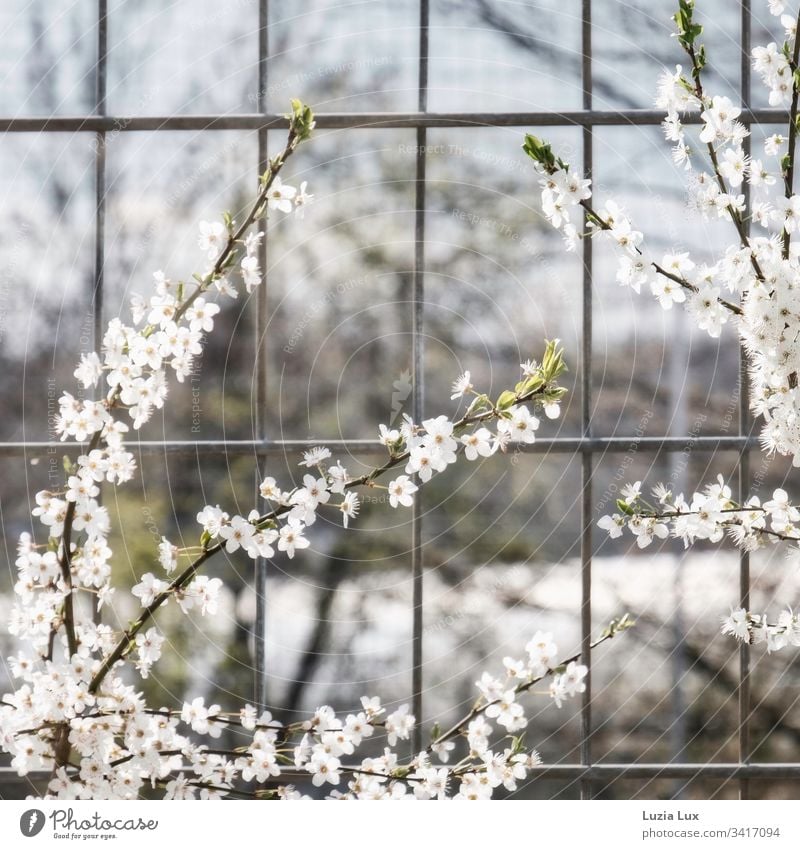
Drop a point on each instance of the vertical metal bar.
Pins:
(586, 401)
(100, 172)
(679, 426)
(100, 194)
(418, 370)
(259, 422)
(744, 460)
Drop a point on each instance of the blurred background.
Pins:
(501, 539)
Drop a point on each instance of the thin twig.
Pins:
(461, 726)
(789, 175)
(604, 225)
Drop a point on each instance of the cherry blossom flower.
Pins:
(479, 443)
(461, 386)
(211, 238)
(314, 456)
(291, 537)
(239, 532)
(349, 507)
(280, 196)
(148, 588)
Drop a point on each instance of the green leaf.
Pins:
(553, 361)
(531, 384)
(478, 402)
(507, 399)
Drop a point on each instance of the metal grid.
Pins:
(587, 773)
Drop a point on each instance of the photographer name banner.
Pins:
(36, 823)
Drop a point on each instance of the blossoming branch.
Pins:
(752, 285)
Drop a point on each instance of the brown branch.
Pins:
(461, 726)
(738, 223)
(729, 523)
(789, 175)
(256, 211)
(125, 643)
(222, 262)
(604, 225)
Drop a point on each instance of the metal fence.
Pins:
(589, 774)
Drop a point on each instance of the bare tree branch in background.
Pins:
(539, 44)
(335, 571)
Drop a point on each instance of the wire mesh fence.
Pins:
(588, 447)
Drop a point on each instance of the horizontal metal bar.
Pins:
(556, 445)
(721, 771)
(210, 446)
(361, 120)
(595, 772)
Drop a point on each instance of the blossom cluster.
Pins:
(422, 450)
(710, 515)
(754, 628)
(130, 376)
(120, 746)
(750, 282)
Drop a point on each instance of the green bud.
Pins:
(301, 120)
(623, 507)
(541, 152)
(688, 30)
(618, 626)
